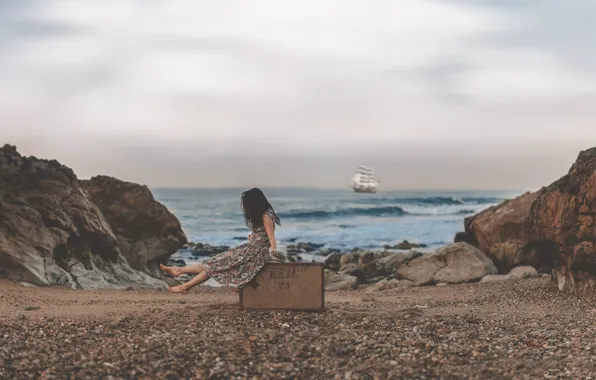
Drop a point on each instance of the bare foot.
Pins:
(170, 270)
(178, 289)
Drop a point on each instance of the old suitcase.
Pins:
(287, 286)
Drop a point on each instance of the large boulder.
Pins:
(549, 229)
(452, 264)
(511, 219)
(52, 233)
(147, 232)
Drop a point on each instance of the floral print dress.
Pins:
(240, 265)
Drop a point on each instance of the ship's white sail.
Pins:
(365, 181)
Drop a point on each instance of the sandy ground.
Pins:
(512, 330)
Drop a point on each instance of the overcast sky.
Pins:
(442, 94)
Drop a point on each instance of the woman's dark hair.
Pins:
(254, 206)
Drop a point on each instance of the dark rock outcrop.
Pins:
(51, 232)
(554, 228)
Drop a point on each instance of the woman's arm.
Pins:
(269, 228)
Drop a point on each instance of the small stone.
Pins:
(523, 272)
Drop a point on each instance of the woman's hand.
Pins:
(249, 237)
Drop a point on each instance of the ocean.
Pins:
(339, 219)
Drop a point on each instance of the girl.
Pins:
(238, 266)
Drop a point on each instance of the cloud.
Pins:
(236, 77)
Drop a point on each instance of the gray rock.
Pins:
(114, 276)
(348, 269)
(340, 282)
(389, 264)
(516, 273)
(494, 278)
(452, 264)
(524, 271)
(333, 261)
(349, 258)
(389, 284)
(464, 263)
(422, 270)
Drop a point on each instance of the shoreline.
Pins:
(520, 329)
(197, 252)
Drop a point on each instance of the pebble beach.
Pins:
(521, 329)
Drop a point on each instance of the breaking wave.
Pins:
(435, 201)
(369, 211)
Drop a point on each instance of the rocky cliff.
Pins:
(53, 232)
(554, 228)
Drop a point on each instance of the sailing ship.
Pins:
(365, 181)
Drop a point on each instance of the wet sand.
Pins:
(509, 330)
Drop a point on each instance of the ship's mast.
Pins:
(366, 175)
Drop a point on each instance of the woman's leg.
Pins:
(177, 271)
(199, 279)
(192, 269)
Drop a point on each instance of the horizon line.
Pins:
(347, 189)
